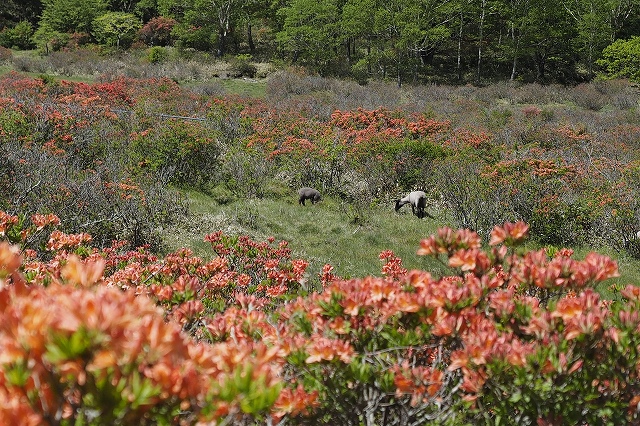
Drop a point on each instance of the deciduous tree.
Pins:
(117, 29)
(68, 16)
(310, 31)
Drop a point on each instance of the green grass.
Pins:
(246, 88)
(5, 69)
(327, 232)
(333, 232)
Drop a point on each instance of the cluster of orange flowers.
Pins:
(69, 344)
(141, 330)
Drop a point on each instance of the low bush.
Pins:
(508, 335)
(67, 156)
(157, 55)
(527, 158)
(5, 54)
(241, 66)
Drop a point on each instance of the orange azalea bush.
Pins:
(82, 341)
(510, 335)
(77, 351)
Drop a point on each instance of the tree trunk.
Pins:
(222, 41)
(459, 60)
(399, 72)
(348, 49)
(252, 46)
(516, 42)
(480, 40)
(541, 60)
(369, 56)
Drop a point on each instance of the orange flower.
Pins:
(459, 359)
(351, 306)
(403, 384)
(406, 302)
(631, 292)
(10, 260)
(339, 325)
(502, 302)
(6, 221)
(473, 381)
(295, 402)
(603, 266)
(102, 360)
(429, 247)
(321, 348)
(539, 325)
(634, 404)
(41, 220)
(568, 308)
(82, 273)
(498, 235)
(464, 259)
(444, 323)
(434, 381)
(509, 233)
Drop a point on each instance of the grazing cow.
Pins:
(308, 194)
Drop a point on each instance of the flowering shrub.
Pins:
(570, 178)
(93, 328)
(62, 152)
(78, 351)
(95, 347)
(157, 32)
(509, 334)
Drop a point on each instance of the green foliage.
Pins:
(622, 59)
(221, 195)
(200, 37)
(309, 30)
(361, 70)
(256, 395)
(241, 66)
(69, 16)
(413, 159)
(203, 25)
(469, 195)
(116, 29)
(560, 222)
(401, 40)
(184, 150)
(18, 37)
(157, 54)
(49, 39)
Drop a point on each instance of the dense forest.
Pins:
(408, 41)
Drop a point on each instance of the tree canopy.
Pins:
(417, 41)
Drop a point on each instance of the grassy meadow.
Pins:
(327, 232)
(348, 238)
(348, 235)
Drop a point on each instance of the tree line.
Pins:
(416, 41)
